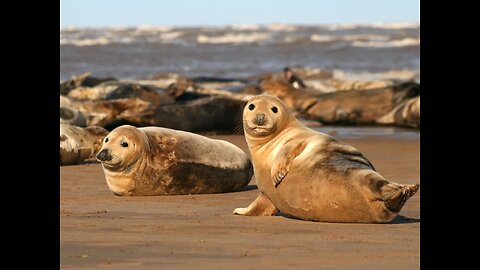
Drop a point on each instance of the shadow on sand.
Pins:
(398, 220)
(402, 219)
(246, 188)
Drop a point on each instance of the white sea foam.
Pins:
(379, 25)
(110, 37)
(360, 37)
(341, 26)
(280, 27)
(233, 38)
(152, 28)
(401, 25)
(365, 37)
(245, 27)
(170, 36)
(117, 28)
(396, 74)
(85, 42)
(322, 38)
(388, 44)
(238, 34)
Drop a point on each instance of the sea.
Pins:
(239, 51)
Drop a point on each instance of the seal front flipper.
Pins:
(261, 206)
(283, 161)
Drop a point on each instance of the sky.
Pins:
(99, 13)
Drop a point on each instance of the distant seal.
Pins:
(293, 79)
(78, 144)
(70, 115)
(310, 175)
(162, 161)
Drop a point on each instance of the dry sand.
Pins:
(101, 230)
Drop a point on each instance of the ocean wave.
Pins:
(275, 33)
(152, 28)
(96, 29)
(233, 38)
(245, 27)
(396, 26)
(342, 26)
(322, 38)
(365, 37)
(85, 42)
(394, 74)
(388, 44)
(359, 37)
(280, 27)
(117, 28)
(106, 38)
(170, 36)
(380, 25)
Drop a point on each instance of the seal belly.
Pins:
(326, 195)
(194, 178)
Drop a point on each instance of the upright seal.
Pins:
(310, 175)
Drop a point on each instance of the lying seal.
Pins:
(78, 144)
(310, 175)
(162, 161)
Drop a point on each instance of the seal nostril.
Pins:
(103, 155)
(260, 119)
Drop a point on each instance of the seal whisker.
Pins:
(238, 128)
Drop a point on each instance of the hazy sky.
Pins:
(222, 12)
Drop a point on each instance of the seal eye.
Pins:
(251, 107)
(274, 109)
(124, 144)
(106, 140)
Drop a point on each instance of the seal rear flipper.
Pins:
(261, 206)
(397, 199)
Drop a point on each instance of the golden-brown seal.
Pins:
(162, 161)
(310, 175)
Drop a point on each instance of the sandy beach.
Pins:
(101, 230)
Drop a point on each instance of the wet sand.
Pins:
(101, 230)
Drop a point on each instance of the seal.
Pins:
(310, 175)
(160, 161)
(78, 144)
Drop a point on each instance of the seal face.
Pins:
(263, 118)
(162, 161)
(122, 149)
(310, 175)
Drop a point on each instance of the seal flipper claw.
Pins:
(281, 165)
(279, 171)
(396, 201)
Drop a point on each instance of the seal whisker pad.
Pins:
(161, 161)
(309, 175)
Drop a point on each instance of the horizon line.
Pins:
(241, 24)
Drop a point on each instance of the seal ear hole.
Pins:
(124, 144)
(251, 107)
(274, 109)
(106, 140)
